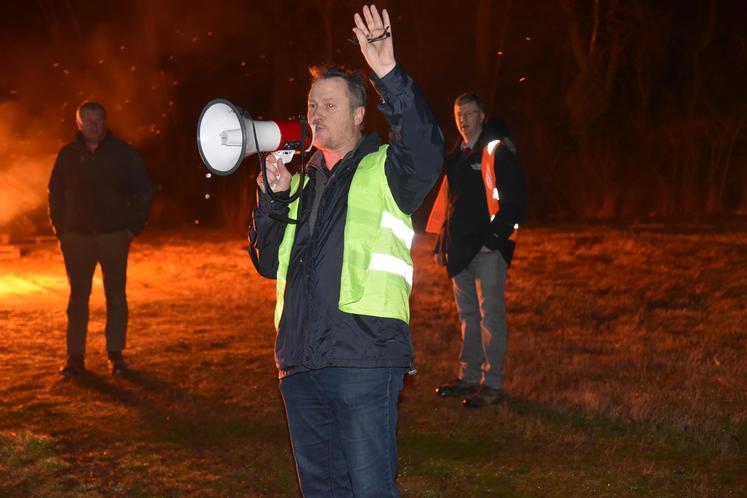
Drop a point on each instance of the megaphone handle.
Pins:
(284, 155)
(269, 187)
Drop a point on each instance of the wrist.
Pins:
(383, 70)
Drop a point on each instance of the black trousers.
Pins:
(81, 254)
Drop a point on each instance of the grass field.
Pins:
(626, 374)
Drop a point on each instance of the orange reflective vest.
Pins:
(438, 212)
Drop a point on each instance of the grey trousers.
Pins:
(81, 254)
(479, 296)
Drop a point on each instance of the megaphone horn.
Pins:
(226, 134)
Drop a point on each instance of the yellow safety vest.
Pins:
(377, 270)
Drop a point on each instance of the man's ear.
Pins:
(358, 115)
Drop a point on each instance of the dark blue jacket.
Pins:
(468, 227)
(313, 332)
(98, 192)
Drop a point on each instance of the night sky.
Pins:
(654, 70)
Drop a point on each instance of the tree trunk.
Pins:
(483, 48)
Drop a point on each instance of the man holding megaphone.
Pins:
(344, 271)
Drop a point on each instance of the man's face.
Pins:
(331, 112)
(469, 119)
(92, 124)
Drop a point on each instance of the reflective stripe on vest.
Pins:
(376, 277)
(492, 195)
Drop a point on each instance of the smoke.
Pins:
(153, 65)
(116, 65)
(26, 166)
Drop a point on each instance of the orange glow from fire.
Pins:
(27, 162)
(16, 285)
(24, 184)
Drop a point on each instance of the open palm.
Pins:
(376, 46)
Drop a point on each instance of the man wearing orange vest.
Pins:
(476, 215)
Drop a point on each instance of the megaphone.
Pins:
(226, 134)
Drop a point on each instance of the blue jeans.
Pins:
(343, 427)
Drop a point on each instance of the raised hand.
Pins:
(374, 36)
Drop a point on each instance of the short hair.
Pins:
(473, 98)
(90, 105)
(354, 79)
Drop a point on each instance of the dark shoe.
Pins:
(74, 366)
(456, 388)
(118, 368)
(486, 396)
(116, 363)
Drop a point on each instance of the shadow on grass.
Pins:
(176, 415)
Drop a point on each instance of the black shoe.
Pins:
(456, 388)
(116, 364)
(118, 368)
(487, 396)
(74, 366)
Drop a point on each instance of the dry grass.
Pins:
(626, 374)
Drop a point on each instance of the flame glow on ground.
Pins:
(47, 283)
(29, 284)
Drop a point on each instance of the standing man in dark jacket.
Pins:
(99, 196)
(344, 270)
(476, 242)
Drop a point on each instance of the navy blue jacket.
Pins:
(313, 332)
(468, 227)
(98, 192)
